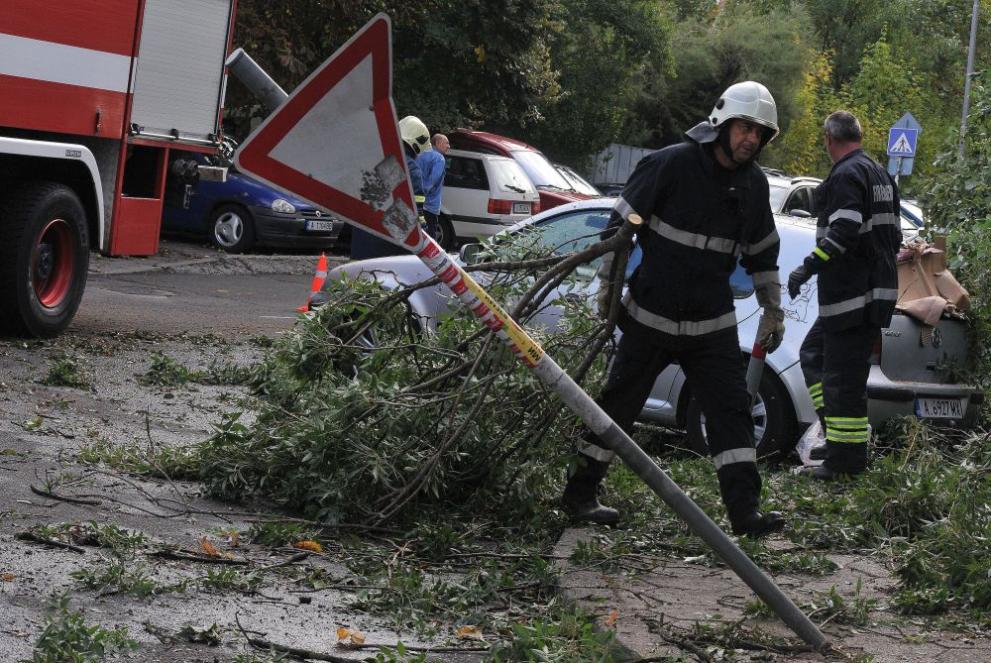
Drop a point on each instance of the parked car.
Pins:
(483, 195)
(907, 375)
(795, 196)
(553, 188)
(241, 212)
(577, 182)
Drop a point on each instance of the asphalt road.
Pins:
(167, 303)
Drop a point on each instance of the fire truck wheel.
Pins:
(232, 228)
(775, 428)
(43, 259)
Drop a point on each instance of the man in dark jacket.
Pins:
(705, 205)
(858, 237)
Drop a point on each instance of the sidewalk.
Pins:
(654, 602)
(178, 257)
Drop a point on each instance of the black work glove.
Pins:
(798, 276)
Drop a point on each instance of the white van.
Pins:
(483, 194)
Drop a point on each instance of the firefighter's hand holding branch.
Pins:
(771, 328)
(612, 271)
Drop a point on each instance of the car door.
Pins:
(466, 193)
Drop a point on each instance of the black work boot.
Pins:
(581, 495)
(757, 524)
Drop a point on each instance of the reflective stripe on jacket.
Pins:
(859, 216)
(700, 219)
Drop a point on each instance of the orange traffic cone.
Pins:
(316, 284)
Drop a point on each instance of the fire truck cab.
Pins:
(93, 96)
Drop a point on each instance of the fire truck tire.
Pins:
(44, 258)
(775, 427)
(232, 229)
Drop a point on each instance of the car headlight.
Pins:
(284, 206)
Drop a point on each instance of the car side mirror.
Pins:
(469, 253)
(801, 213)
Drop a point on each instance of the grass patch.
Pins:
(65, 371)
(166, 371)
(67, 637)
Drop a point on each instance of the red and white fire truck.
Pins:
(93, 96)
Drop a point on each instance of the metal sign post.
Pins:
(332, 178)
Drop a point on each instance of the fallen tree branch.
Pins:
(36, 538)
(184, 556)
(63, 498)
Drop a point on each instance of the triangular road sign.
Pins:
(335, 141)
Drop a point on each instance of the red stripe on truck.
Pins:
(33, 104)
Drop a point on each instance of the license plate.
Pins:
(319, 226)
(939, 408)
(521, 208)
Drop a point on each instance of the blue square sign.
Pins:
(902, 142)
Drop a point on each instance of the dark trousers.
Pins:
(432, 223)
(836, 365)
(716, 375)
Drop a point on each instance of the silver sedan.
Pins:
(910, 372)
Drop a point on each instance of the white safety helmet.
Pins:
(415, 134)
(748, 100)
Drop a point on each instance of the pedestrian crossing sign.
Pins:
(902, 142)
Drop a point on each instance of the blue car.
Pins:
(241, 212)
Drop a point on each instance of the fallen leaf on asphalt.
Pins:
(348, 636)
(612, 619)
(33, 423)
(209, 548)
(306, 544)
(7, 577)
(233, 538)
(469, 633)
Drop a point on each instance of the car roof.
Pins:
(506, 143)
(485, 156)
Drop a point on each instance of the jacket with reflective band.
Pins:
(699, 220)
(859, 218)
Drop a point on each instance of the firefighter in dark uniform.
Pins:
(858, 237)
(705, 205)
(415, 139)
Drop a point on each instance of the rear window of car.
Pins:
(466, 173)
(778, 195)
(507, 176)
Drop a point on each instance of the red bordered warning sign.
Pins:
(335, 142)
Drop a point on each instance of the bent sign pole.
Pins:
(335, 143)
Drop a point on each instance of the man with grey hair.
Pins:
(858, 237)
(433, 166)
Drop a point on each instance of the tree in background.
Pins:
(713, 52)
(603, 50)
(466, 62)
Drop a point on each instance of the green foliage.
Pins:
(425, 422)
(834, 607)
(227, 578)
(118, 540)
(277, 534)
(67, 637)
(168, 462)
(958, 197)
(66, 371)
(166, 371)
(560, 636)
(119, 576)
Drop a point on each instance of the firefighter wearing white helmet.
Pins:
(706, 207)
(411, 130)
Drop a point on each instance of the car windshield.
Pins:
(509, 176)
(579, 184)
(539, 170)
(778, 195)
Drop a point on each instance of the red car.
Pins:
(554, 190)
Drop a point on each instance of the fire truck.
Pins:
(93, 96)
